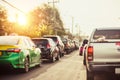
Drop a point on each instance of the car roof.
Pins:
(50, 36)
(15, 36)
(10, 39)
(42, 38)
(107, 28)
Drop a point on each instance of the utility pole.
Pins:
(53, 3)
(72, 23)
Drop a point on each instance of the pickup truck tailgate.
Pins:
(106, 52)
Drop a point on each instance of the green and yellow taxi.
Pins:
(19, 52)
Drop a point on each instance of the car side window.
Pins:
(26, 42)
(53, 43)
(31, 44)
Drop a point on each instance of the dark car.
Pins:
(57, 39)
(67, 45)
(48, 47)
(82, 49)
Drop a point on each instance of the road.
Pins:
(69, 67)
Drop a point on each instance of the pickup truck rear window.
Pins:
(106, 34)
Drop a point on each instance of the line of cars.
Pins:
(22, 52)
(70, 45)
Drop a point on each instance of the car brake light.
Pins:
(48, 45)
(14, 50)
(90, 53)
(118, 43)
(57, 42)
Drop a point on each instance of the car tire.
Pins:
(90, 75)
(26, 65)
(58, 57)
(53, 59)
(40, 61)
(84, 60)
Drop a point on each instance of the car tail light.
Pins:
(81, 48)
(14, 50)
(48, 45)
(57, 42)
(118, 43)
(90, 53)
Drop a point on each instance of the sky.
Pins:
(82, 14)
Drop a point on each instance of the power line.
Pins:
(13, 6)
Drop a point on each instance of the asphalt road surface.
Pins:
(69, 67)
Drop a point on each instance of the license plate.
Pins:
(0, 53)
(117, 70)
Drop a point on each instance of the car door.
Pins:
(31, 48)
(53, 47)
(35, 51)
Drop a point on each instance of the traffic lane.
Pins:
(69, 68)
(11, 74)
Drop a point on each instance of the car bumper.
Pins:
(108, 67)
(13, 62)
(45, 55)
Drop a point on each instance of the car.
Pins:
(82, 47)
(76, 43)
(82, 50)
(19, 52)
(57, 39)
(103, 52)
(48, 47)
(67, 46)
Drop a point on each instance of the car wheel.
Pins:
(58, 57)
(52, 59)
(84, 60)
(40, 61)
(26, 65)
(90, 75)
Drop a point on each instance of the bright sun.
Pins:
(20, 19)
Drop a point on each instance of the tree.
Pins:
(48, 18)
(3, 20)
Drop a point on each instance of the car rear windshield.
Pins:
(9, 40)
(53, 38)
(40, 41)
(107, 34)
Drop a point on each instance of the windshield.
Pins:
(107, 34)
(40, 41)
(54, 38)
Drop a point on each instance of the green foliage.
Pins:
(48, 18)
(42, 20)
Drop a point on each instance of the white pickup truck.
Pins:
(103, 51)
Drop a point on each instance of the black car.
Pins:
(48, 48)
(57, 39)
(67, 45)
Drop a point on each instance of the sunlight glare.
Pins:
(22, 19)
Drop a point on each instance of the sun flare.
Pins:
(21, 19)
